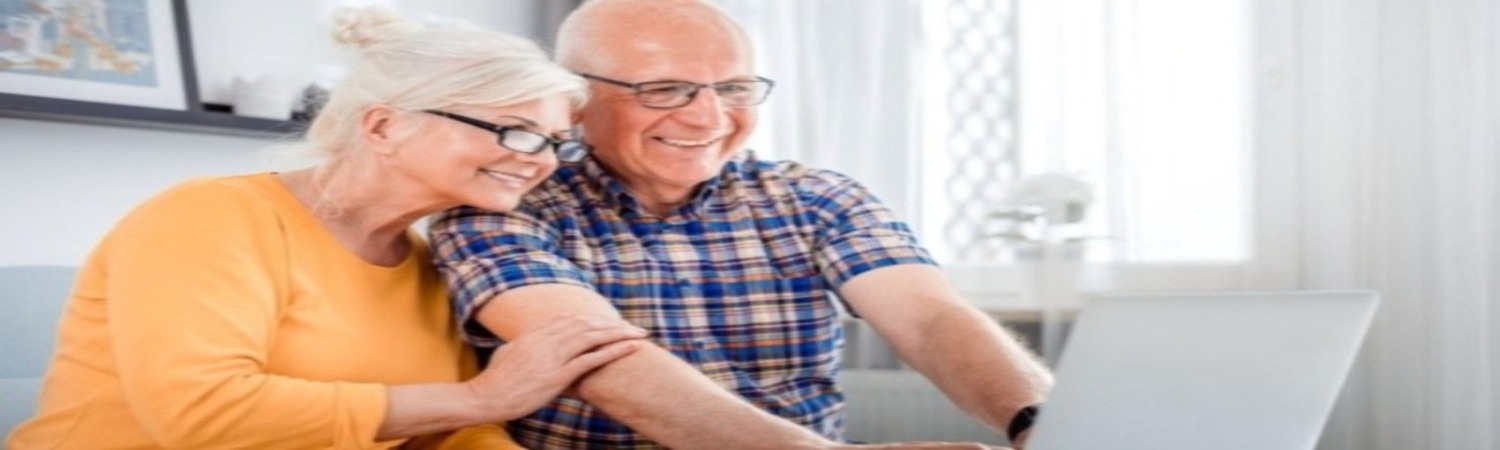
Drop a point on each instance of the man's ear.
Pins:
(376, 127)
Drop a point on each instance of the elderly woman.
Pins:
(299, 309)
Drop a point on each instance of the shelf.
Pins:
(28, 107)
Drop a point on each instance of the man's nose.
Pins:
(705, 110)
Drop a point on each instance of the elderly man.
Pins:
(731, 262)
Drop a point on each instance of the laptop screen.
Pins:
(1203, 371)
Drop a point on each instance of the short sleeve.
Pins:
(856, 232)
(483, 254)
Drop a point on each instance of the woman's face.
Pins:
(464, 164)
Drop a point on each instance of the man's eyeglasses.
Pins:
(670, 94)
(525, 141)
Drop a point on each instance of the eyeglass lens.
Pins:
(677, 93)
(530, 142)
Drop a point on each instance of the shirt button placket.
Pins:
(684, 285)
(653, 239)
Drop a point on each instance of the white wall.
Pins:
(290, 38)
(64, 185)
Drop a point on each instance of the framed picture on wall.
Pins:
(95, 58)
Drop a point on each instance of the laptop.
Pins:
(1203, 371)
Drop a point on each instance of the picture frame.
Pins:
(79, 57)
(172, 103)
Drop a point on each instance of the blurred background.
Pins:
(1047, 152)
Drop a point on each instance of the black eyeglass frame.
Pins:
(501, 130)
(693, 95)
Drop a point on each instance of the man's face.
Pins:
(668, 150)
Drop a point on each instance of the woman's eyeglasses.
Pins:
(524, 141)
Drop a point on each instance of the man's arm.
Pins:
(650, 390)
(982, 368)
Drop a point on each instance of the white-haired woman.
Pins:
(299, 309)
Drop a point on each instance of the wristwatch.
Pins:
(1021, 422)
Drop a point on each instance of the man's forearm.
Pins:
(979, 366)
(962, 351)
(667, 400)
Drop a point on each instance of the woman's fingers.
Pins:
(592, 360)
(575, 335)
(589, 340)
(568, 326)
(568, 347)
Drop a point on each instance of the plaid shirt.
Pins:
(736, 282)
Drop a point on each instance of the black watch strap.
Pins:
(1021, 422)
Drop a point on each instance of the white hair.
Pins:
(413, 67)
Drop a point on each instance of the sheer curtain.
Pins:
(1400, 137)
(1376, 137)
(846, 93)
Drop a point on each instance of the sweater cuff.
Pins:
(365, 408)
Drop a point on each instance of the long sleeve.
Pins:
(197, 286)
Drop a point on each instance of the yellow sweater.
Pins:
(221, 314)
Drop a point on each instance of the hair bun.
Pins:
(363, 27)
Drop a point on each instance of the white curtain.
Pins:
(846, 95)
(1400, 136)
(1376, 131)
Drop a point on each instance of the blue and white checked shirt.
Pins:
(737, 282)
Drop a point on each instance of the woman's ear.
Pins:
(376, 128)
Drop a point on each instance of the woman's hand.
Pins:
(531, 370)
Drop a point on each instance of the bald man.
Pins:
(730, 261)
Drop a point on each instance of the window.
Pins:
(1150, 101)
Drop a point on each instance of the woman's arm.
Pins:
(521, 377)
(197, 283)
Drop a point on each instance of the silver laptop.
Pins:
(1203, 372)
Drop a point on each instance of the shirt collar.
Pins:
(616, 192)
